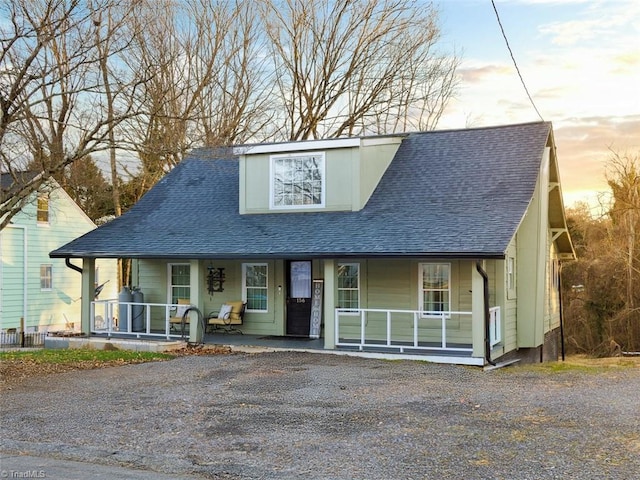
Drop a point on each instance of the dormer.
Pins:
(316, 175)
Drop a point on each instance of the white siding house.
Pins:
(44, 291)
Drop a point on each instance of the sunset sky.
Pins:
(580, 61)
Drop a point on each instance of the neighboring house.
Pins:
(42, 291)
(444, 245)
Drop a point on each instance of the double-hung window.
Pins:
(255, 286)
(349, 286)
(42, 210)
(298, 180)
(46, 277)
(435, 288)
(179, 282)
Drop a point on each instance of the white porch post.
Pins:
(477, 312)
(195, 329)
(87, 293)
(329, 304)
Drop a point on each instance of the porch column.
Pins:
(195, 329)
(329, 304)
(477, 312)
(87, 292)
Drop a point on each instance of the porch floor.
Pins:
(264, 341)
(252, 343)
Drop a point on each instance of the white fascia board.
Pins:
(385, 140)
(300, 146)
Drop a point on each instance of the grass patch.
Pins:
(82, 355)
(16, 366)
(584, 364)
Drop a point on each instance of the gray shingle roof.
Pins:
(9, 184)
(446, 194)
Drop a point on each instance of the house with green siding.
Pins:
(444, 245)
(42, 292)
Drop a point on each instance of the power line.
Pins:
(504, 35)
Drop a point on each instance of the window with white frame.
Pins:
(42, 211)
(297, 181)
(511, 277)
(555, 274)
(46, 277)
(349, 285)
(255, 287)
(179, 282)
(435, 287)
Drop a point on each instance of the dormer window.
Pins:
(297, 181)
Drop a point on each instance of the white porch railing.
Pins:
(151, 319)
(403, 330)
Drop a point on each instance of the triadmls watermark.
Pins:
(23, 474)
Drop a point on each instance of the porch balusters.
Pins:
(109, 307)
(416, 342)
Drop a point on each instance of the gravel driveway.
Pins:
(293, 415)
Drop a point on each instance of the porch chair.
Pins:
(230, 315)
(178, 322)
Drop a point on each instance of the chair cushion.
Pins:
(236, 308)
(225, 311)
(183, 305)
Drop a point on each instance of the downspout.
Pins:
(67, 262)
(487, 317)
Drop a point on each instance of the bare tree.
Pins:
(49, 93)
(623, 177)
(603, 288)
(204, 82)
(347, 67)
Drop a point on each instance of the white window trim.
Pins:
(323, 171)
(349, 312)
(50, 288)
(511, 274)
(555, 274)
(421, 289)
(47, 222)
(170, 284)
(244, 285)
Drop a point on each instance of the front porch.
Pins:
(248, 344)
(444, 337)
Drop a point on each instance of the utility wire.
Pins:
(504, 35)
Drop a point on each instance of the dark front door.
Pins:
(298, 297)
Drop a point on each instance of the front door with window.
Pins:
(298, 298)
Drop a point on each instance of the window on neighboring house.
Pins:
(254, 281)
(511, 277)
(43, 208)
(46, 277)
(435, 287)
(179, 282)
(297, 181)
(349, 285)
